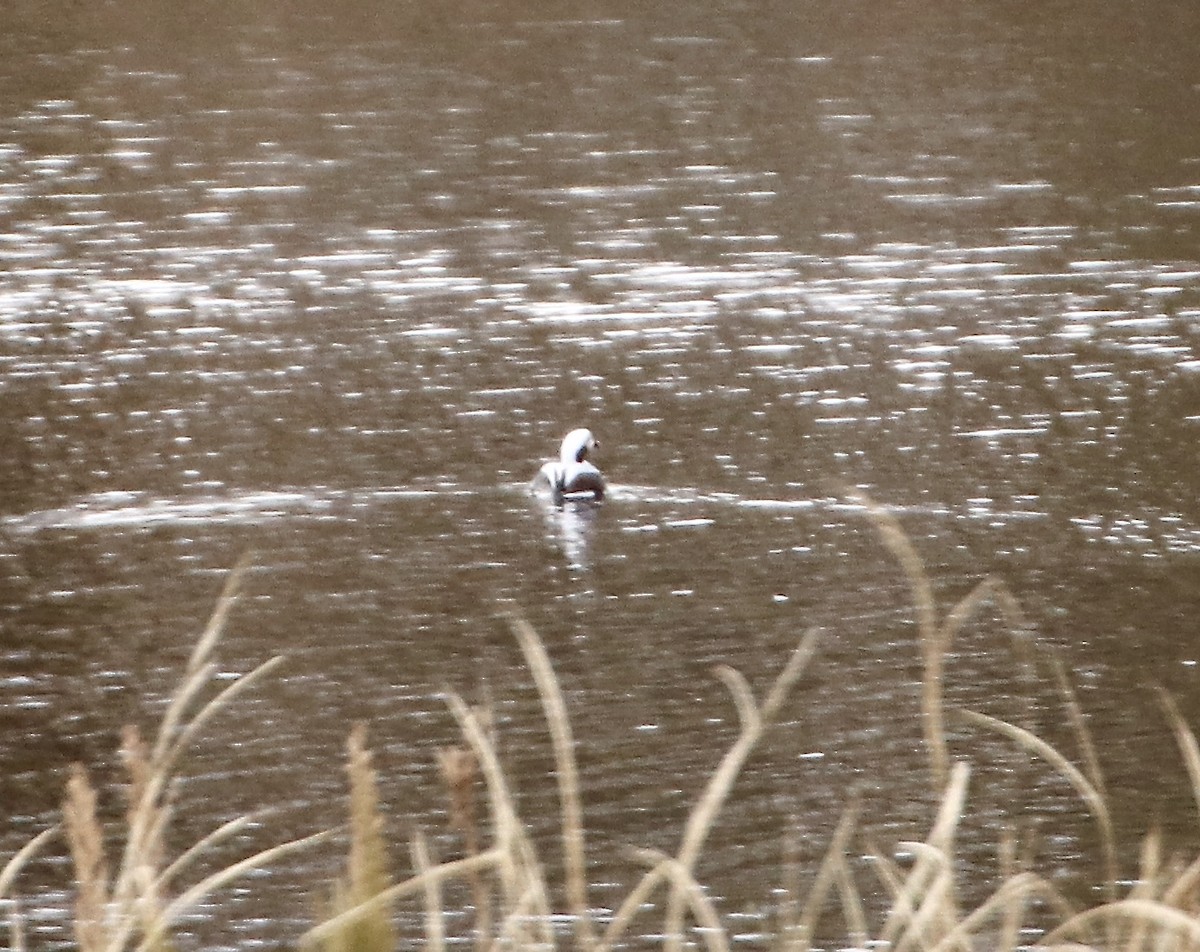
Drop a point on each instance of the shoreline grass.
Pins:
(133, 900)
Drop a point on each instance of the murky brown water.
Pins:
(330, 287)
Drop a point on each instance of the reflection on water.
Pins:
(569, 523)
(324, 287)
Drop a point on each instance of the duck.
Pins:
(572, 474)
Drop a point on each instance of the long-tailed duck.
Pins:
(572, 474)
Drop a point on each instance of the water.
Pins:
(329, 288)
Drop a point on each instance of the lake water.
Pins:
(329, 286)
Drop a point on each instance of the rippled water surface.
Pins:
(329, 288)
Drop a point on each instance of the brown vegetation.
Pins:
(134, 902)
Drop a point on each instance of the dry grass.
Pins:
(366, 865)
(907, 897)
(135, 903)
(524, 913)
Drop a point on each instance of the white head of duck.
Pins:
(572, 474)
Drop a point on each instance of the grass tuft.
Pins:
(366, 865)
(555, 710)
(133, 904)
(908, 899)
(86, 839)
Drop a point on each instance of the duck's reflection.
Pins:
(570, 522)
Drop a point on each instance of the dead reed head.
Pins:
(459, 769)
(86, 839)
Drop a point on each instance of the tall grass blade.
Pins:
(930, 638)
(435, 926)
(1184, 737)
(782, 686)
(827, 872)
(519, 866)
(204, 845)
(392, 894)
(634, 900)
(12, 868)
(1148, 911)
(180, 701)
(192, 897)
(167, 752)
(916, 887)
(199, 669)
(853, 911)
(1083, 736)
(964, 610)
(1182, 889)
(889, 873)
(931, 919)
(16, 926)
(944, 908)
(682, 881)
(1150, 862)
(1014, 910)
(506, 828)
(932, 860)
(1011, 894)
(701, 818)
(788, 917)
(514, 931)
(700, 821)
(218, 702)
(902, 549)
(567, 773)
(147, 818)
(216, 623)
(950, 811)
(743, 698)
(1092, 797)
